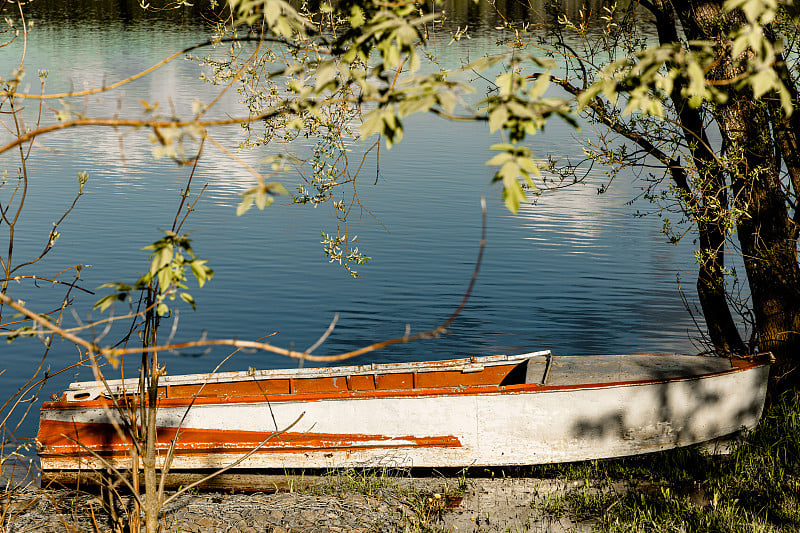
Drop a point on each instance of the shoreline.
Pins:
(334, 503)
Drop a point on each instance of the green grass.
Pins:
(419, 509)
(756, 488)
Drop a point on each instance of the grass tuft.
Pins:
(754, 489)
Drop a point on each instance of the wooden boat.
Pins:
(498, 410)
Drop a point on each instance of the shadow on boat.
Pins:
(677, 403)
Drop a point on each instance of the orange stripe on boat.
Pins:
(60, 438)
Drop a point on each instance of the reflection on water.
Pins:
(575, 273)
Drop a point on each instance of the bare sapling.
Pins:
(133, 411)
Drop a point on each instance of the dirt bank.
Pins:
(337, 504)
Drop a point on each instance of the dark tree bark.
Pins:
(750, 180)
(756, 143)
(702, 204)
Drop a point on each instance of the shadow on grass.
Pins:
(755, 488)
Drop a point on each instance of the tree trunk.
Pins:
(701, 203)
(767, 234)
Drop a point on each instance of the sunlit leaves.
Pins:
(385, 122)
(356, 18)
(83, 178)
(325, 76)
(121, 293)
(169, 141)
(65, 113)
(498, 118)
(649, 76)
(759, 12)
(751, 42)
(282, 19)
(261, 196)
(515, 163)
(170, 257)
(393, 32)
(340, 249)
(505, 84)
(380, 41)
(200, 271)
(519, 106)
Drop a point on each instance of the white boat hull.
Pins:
(448, 427)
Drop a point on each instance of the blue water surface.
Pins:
(575, 272)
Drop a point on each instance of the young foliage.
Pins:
(171, 256)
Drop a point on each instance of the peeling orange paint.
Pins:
(59, 438)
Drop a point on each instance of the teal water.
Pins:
(575, 273)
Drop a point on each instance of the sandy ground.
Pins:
(512, 504)
(330, 503)
(433, 504)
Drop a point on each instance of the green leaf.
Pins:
(105, 302)
(393, 135)
(497, 118)
(326, 73)
(356, 18)
(373, 123)
(201, 272)
(277, 188)
(161, 258)
(541, 85)
(389, 119)
(120, 287)
(519, 110)
(740, 44)
(505, 83)
(786, 100)
(415, 105)
(500, 159)
(261, 199)
(512, 190)
(763, 82)
(244, 205)
(503, 146)
(186, 297)
(529, 165)
(414, 61)
(283, 28)
(272, 11)
(483, 63)
(406, 34)
(447, 100)
(697, 78)
(165, 277)
(392, 57)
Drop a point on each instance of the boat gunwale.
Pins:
(737, 365)
(468, 364)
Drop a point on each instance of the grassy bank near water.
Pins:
(755, 488)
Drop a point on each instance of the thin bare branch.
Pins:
(93, 348)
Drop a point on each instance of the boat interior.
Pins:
(503, 371)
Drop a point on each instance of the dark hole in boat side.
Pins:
(528, 371)
(516, 376)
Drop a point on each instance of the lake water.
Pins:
(575, 273)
